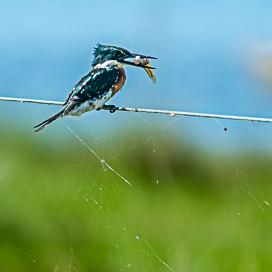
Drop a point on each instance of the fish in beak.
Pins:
(143, 62)
(149, 70)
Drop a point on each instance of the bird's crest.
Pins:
(104, 53)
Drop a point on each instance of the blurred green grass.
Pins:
(60, 210)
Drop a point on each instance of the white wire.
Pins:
(154, 111)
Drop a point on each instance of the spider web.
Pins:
(146, 256)
(159, 200)
(105, 165)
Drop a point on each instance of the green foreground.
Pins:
(63, 210)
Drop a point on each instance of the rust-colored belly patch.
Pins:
(120, 83)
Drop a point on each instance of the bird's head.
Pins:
(104, 53)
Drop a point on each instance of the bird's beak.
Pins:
(141, 65)
(143, 62)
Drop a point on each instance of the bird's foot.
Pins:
(110, 108)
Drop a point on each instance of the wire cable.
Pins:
(154, 111)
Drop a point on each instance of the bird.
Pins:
(105, 79)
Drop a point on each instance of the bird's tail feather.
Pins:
(43, 124)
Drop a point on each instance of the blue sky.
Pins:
(204, 50)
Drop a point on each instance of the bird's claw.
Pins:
(110, 108)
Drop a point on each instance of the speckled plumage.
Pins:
(92, 91)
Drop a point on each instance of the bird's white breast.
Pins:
(90, 105)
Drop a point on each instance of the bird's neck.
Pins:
(108, 63)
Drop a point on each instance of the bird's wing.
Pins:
(93, 86)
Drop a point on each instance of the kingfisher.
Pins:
(106, 79)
